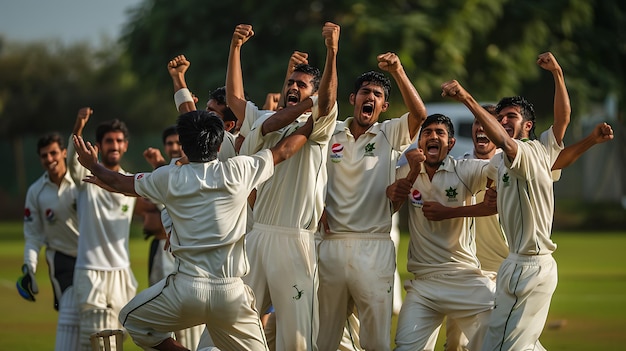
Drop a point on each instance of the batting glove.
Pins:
(27, 285)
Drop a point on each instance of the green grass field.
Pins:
(588, 308)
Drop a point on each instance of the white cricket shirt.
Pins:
(359, 172)
(526, 195)
(293, 197)
(207, 204)
(447, 245)
(50, 218)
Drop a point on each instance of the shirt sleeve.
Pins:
(153, 186)
(397, 130)
(252, 116)
(323, 126)
(33, 229)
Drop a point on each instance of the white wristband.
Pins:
(181, 96)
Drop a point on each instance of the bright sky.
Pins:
(68, 20)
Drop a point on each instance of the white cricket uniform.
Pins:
(281, 245)
(447, 275)
(50, 220)
(528, 277)
(207, 204)
(491, 250)
(103, 279)
(227, 149)
(357, 261)
(491, 244)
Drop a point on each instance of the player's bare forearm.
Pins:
(328, 84)
(81, 120)
(601, 133)
(286, 116)
(435, 211)
(235, 93)
(562, 108)
(494, 130)
(412, 100)
(293, 143)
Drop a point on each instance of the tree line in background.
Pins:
(490, 46)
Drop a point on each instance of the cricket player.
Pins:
(206, 200)
(50, 220)
(447, 275)
(526, 204)
(103, 279)
(281, 245)
(356, 255)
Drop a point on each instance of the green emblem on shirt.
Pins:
(124, 208)
(506, 180)
(451, 194)
(369, 149)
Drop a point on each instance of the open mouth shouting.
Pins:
(367, 109)
(293, 97)
(481, 139)
(432, 149)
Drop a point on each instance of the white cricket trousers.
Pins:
(523, 294)
(100, 296)
(356, 269)
(283, 265)
(467, 296)
(224, 305)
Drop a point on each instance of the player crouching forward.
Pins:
(206, 200)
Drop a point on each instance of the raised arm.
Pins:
(417, 111)
(494, 130)
(562, 108)
(327, 92)
(154, 157)
(81, 120)
(177, 67)
(77, 172)
(103, 177)
(271, 101)
(296, 58)
(601, 133)
(235, 94)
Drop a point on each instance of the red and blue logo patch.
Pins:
(416, 198)
(336, 152)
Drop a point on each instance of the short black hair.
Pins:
(375, 78)
(527, 110)
(201, 133)
(114, 125)
(171, 130)
(48, 139)
(438, 118)
(219, 95)
(310, 70)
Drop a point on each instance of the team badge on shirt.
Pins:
(139, 176)
(28, 216)
(369, 149)
(50, 216)
(451, 193)
(416, 198)
(506, 179)
(124, 208)
(336, 152)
